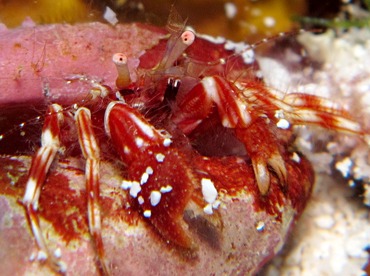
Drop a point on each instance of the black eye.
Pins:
(172, 88)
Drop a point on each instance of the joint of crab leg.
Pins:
(40, 165)
(90, 150)
(173, 52)
(123, 79)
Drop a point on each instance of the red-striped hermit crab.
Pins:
(197, 138)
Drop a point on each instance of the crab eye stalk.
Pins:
(187, 38)
(179, 46)
(123, 79)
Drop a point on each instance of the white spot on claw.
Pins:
(127, 184)
(139, 142)
(283, 124)
(140, 199)
(144, 178)
(166, 189)
(135, 189)
(167, 142)
(155, 198)
(149, 170)
(160, 157)
(126, 150)
(208, 190)
(147, 213)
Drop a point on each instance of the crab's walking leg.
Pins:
(50, 144)
(91, 152)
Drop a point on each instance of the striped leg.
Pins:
(90, 150)
(50, 144)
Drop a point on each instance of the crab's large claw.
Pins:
(233, 109)
(161, 183)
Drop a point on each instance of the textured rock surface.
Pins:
(334, 230)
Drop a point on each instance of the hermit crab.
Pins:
(184, 161)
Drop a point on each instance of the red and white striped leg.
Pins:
(310, 109)
(91, 152)
(50, 144)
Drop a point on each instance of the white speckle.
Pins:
(144, 178)
(149, 170)
(42, 256)
(248, 56)
(166, 189)
(110, 16)
(160, 157)
(208, 190)
(139, 142)
(260, 226)
(242, 48)
(58, 253)
(32, 257)
(295, 157)
(155, 198)
(269, 21)
(140, 199)
(230, 10)
(208, 209)
(283, 124)
(167, 142)
(126, 150)
(215, 40)
(135, 189)
(126, 184)
(344, 166)
(147, 213)
(216, 204)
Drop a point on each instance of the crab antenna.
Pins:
(123, 79)
(173, 53)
